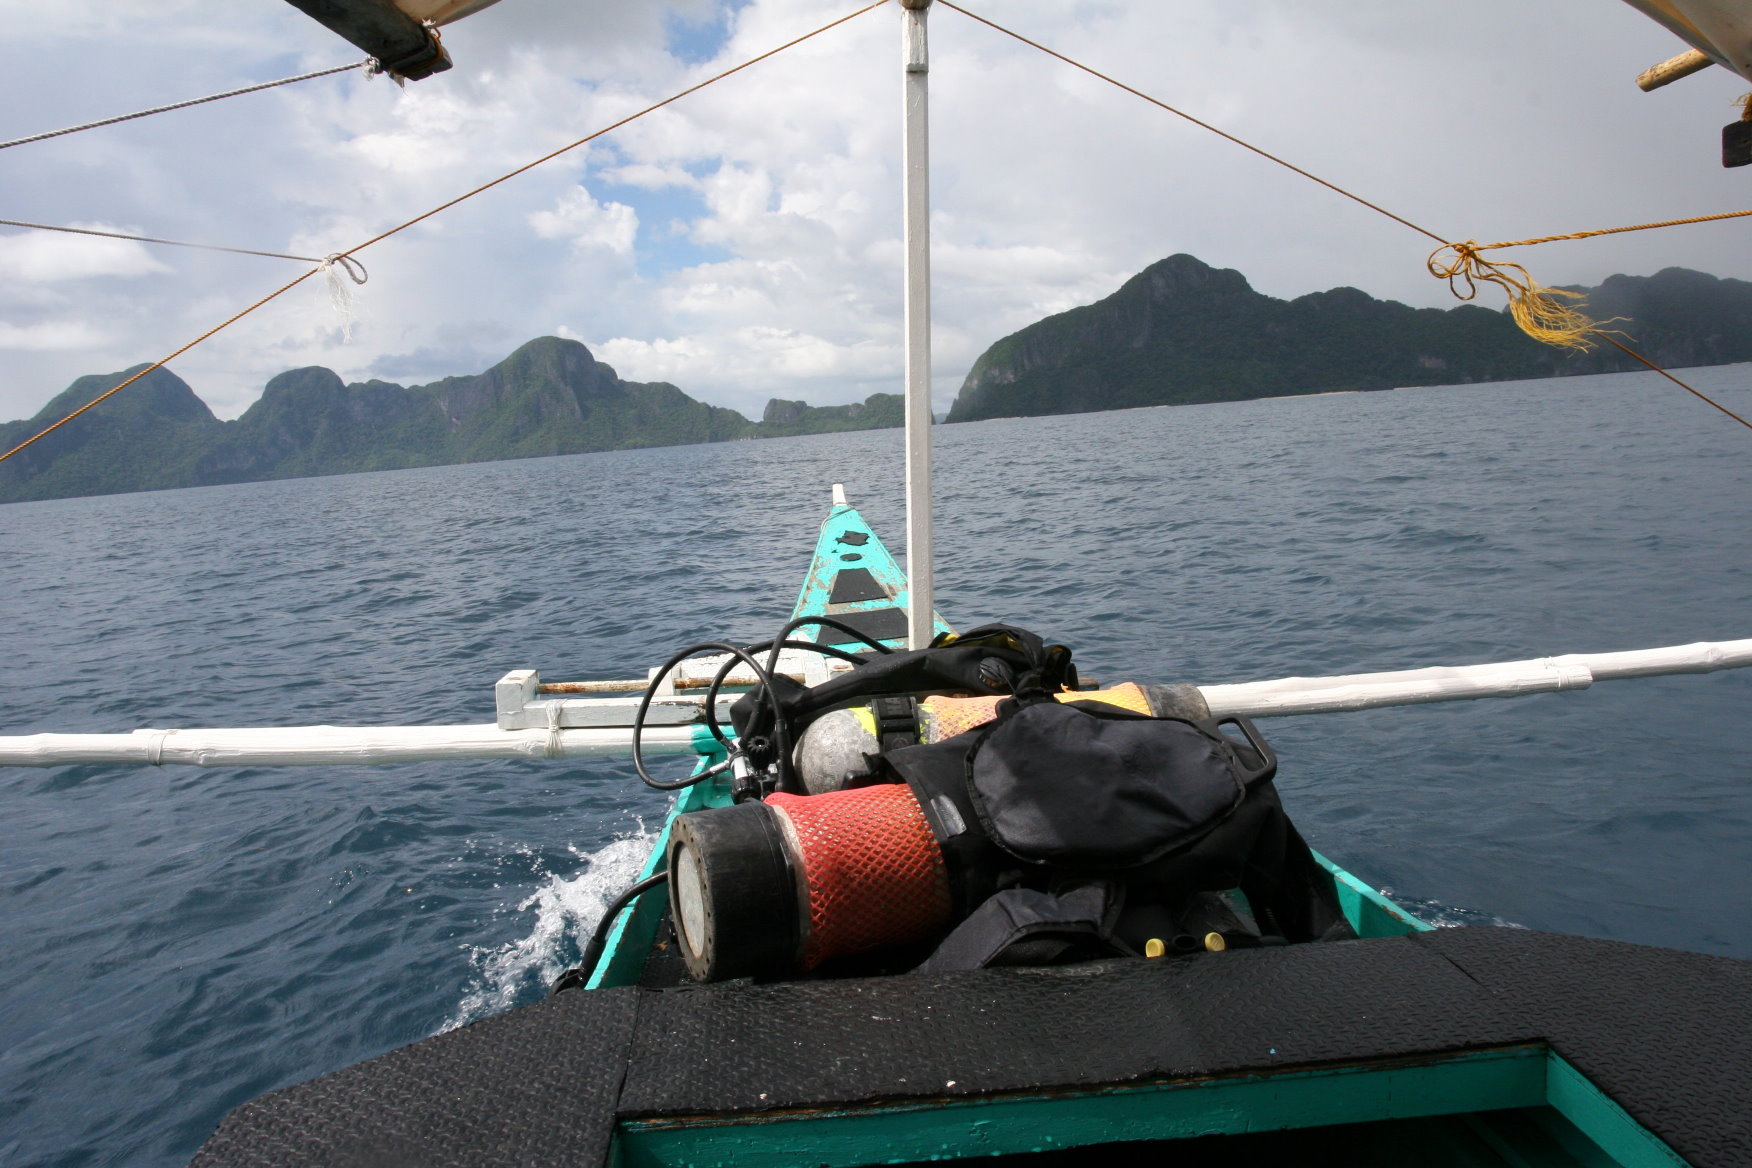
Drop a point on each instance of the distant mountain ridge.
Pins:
(1181, 332)
(551, 396)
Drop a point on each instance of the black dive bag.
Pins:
(1160, 813)
(1071, 829)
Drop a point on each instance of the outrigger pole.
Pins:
(574, 727)
(916, 225)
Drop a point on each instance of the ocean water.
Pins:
(179, 940)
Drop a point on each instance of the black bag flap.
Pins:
(1054, 784)
(1022, 926)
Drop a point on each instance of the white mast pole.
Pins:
(917, 228)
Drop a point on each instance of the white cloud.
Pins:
(651, 177)
(43, 256)
(50, 337)
(587, 223)
(752, 363)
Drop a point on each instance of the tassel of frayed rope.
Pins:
(341, 295)
(1535, 308)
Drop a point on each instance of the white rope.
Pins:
(155, 746)
(368, 63)
(339, 294)
(554, 748)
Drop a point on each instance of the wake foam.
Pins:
(1448, 916)
(566, 911)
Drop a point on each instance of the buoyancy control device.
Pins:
(1054, 828)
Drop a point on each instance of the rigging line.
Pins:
(1195, 121)
(345, 258)
(367, 62)
(1628, 351)
(159, 364)
(1611, 230)
(1539, 306)
(273, 255)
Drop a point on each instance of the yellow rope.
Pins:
(343, 257)
(1614, 230)
(159, 364)
(1535, 307)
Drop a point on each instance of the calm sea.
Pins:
(179, 940)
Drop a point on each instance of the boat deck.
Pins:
(1641, 1049)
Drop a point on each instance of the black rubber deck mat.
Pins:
(1668, 1035)
(809, 1043)
(532, 1086)
(1665, 1034)
(851, 585)
(879, 624)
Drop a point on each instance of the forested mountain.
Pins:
(549, 397)
(1181, 331)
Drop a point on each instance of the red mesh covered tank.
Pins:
(870, 867)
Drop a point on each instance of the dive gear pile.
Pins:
(1062, 829)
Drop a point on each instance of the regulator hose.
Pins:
(580, 974)
(772, 663)
(826, 622)
(761, 676)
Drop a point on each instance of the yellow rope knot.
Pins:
(1535, 308)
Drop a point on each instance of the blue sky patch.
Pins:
(695, 41)
(665, 215)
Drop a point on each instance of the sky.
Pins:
(744, 243)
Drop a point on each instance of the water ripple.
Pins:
(180, 940)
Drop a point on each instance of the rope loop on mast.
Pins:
(353, 268)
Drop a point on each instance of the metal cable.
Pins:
(273, 255)
(345, 258)
(368, 62)
(1179, 113)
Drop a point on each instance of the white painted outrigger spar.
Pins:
(1507, 679)
(529, 727)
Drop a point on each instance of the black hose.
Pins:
(787, 775)
(579, 975)
(761, 677)
(772, 663)
(828, 622)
